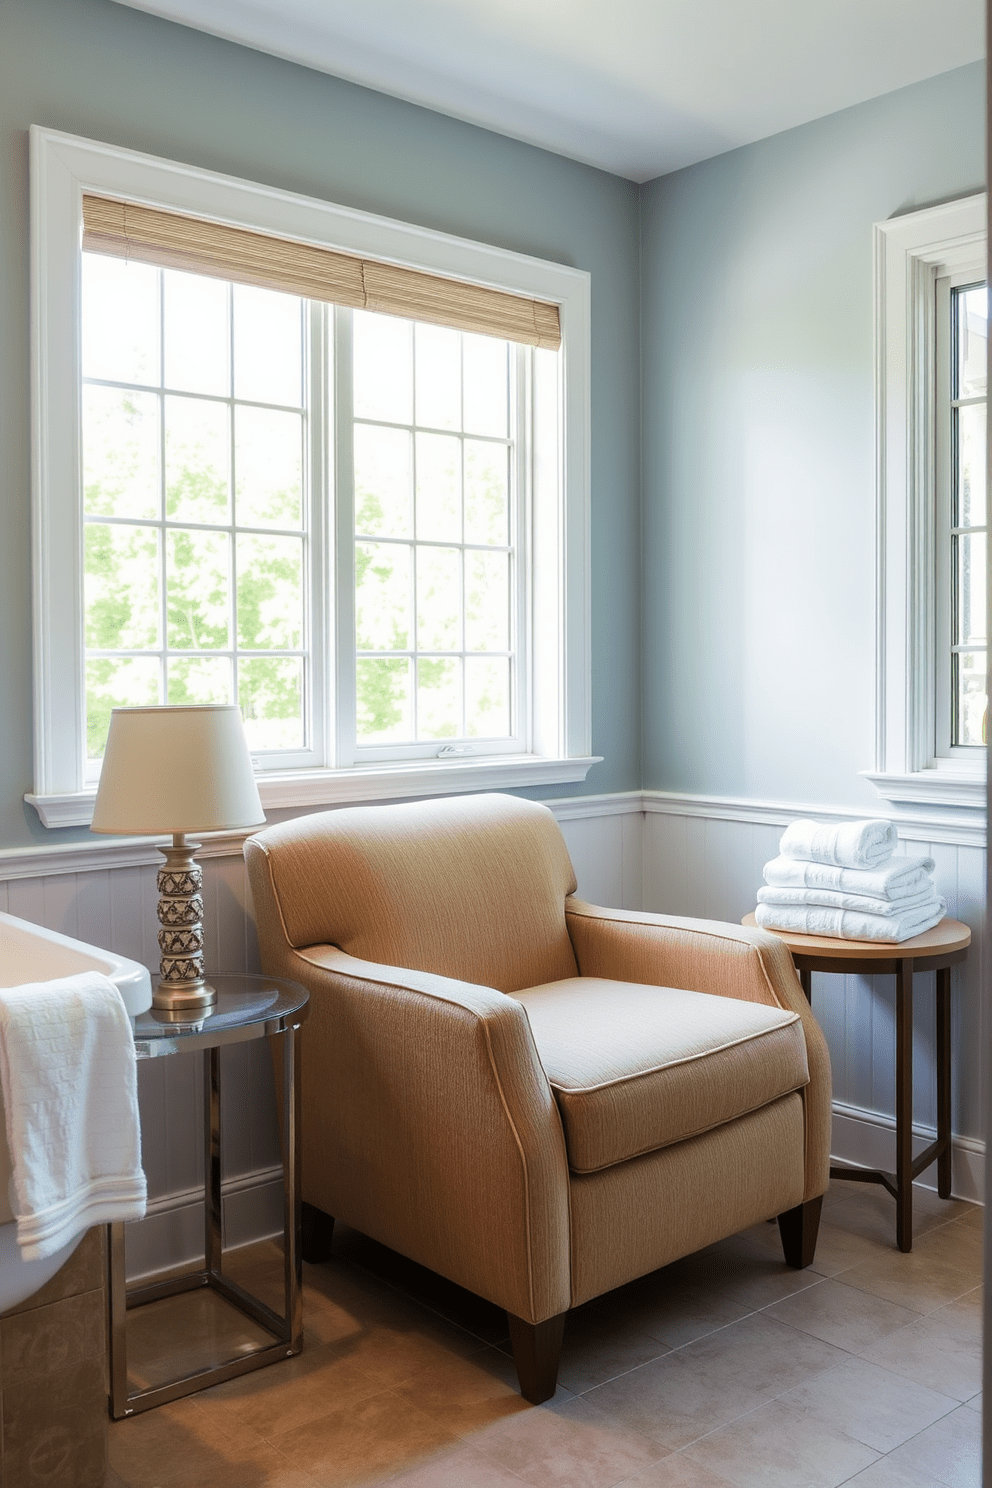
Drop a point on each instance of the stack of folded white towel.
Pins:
(844, 881)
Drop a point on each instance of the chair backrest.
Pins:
(471, 887)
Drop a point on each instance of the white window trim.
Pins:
(63, 167)
(911, 252)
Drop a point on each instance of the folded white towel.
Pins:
(860, 844)
(899, 878)
(834, 899)
(845, 924)
(69, 1080)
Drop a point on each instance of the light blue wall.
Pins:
(107, 72)
(759, 502)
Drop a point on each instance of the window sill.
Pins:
(400, 781)
(938, 786)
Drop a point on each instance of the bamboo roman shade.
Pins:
(174, 241)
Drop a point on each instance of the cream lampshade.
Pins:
(174, 770)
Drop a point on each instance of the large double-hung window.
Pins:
(328, 467)
(931, 327)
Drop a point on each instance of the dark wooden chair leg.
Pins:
(536, 1352)
(318, 1232)
(798, 1228)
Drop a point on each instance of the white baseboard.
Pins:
(867, 1140)
(171, 1234)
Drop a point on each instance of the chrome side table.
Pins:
(247, 1007)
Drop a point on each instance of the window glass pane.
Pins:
(268, 357)
(270, 695)
(971, 701)
(384, 699)
(439, 496)
(487, 697)
(120, 453)
(197, 460)
(197, 334)
(383, 597)
(198, 591)
(120, 320)
(439, 599)
(439, 377)
(969, 549)
(383, 367)
(487, 601)
(121, 587)
(486, 493)
(268, 467)
(970, 465)
(270, 592)
(485, 362)
(383, 481)
(971, 307)
(439, 698)
(116, 682)
(199, 679)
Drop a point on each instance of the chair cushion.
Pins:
(634, 1068)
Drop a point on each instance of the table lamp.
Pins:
(173, 770)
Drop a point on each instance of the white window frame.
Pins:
(911, 254)
(63, 167)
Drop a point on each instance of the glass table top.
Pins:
(248, 1006)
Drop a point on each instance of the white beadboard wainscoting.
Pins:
(681, 855)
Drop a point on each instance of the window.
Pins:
(368, 528)
(931, 318)
(961, 374)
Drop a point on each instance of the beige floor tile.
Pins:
(597, 1347)
(870, 1404)
(569, 1445)
(693, 1390)
(924, 1280)
(177, 1445)
(466, 1395)
(886, 1474)
(465, 1469)
(367, 1442)
(942, 1351)
(673, 1312)
(837, 1249)
(290, 1393)
(949, 1451)
(675, 1471)
(841, 1315)
(780, 1446)
(975, 1403)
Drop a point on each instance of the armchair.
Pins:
(538, 1098)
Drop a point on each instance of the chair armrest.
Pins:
(710, 956)
(429, 1124)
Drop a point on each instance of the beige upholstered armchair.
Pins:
(537, 1098)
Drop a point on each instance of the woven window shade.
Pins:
(173, 241)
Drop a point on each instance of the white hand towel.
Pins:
(860, 844)
(843, 924)
(69, 1080)
(899, 878)
(834, 899)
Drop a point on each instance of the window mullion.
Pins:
(342, 420)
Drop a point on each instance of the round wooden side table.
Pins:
(936, 950)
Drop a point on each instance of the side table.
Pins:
(247, 1007)
(936, 950)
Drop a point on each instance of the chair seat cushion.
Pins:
(634, 1068)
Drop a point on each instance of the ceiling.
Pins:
(637, 87)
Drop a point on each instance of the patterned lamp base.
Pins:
(181, 986)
